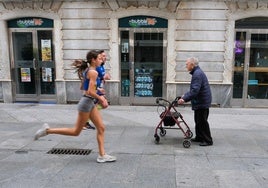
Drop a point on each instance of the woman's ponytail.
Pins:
(80, 66)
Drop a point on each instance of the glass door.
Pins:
(250, 76)
(24, 64)
(142, 63)
(32, 64)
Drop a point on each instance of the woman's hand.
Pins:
(103, 102)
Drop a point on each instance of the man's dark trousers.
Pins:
(202, 129)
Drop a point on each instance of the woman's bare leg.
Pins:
(96, 118)
(74, 131)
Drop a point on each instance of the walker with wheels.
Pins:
(171, 119)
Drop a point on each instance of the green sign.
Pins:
(30, 22)
(143, 22)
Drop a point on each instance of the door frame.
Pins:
(37, 97)
(245, 101)
(131, 99)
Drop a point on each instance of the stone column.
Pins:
(60, 82)
(5, 76)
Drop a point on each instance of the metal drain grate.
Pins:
(68, 151)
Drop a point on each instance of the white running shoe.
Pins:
(41, 132)
(106, 158)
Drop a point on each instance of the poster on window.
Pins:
(46, 74)
(25, 74)
(124, 47)
(46, 49)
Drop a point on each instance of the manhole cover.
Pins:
(69, 151)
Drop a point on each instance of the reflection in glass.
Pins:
(125, 77)
(258, 67)
(23, 62)
(148, 58)
(238, 78)
(47, 70)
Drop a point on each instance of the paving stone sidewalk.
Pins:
(238, 158)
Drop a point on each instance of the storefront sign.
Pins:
(30, 22)
(143, 22)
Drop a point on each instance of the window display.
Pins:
(143, 83)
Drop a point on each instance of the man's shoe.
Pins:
(205, 144)
(89, 126)
(195, 140)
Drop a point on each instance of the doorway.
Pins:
(250, 77)
(142, 53)
(33, 66)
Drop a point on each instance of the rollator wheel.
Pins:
(157, 139)
(189, 134)
(163, 132)
(186, 143)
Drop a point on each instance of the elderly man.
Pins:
(200, 97)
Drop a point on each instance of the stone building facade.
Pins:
(147, 43)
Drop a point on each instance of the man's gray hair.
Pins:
(194, 60)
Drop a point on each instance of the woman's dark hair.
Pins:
(93, 54)
(82, 65)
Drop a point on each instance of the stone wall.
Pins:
(200, 33)
(200, 28)
(85, 27)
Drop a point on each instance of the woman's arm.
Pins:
(92, 89)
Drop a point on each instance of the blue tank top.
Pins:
(101, 71)
(86, 81)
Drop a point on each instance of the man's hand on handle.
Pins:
(181, 101)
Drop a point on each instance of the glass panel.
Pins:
(258, 67)
(252, 23)
(125, 79)
(148, 64)
(45, 62)
(240, 43)
(24, 68)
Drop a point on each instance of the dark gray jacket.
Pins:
(199, 94)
